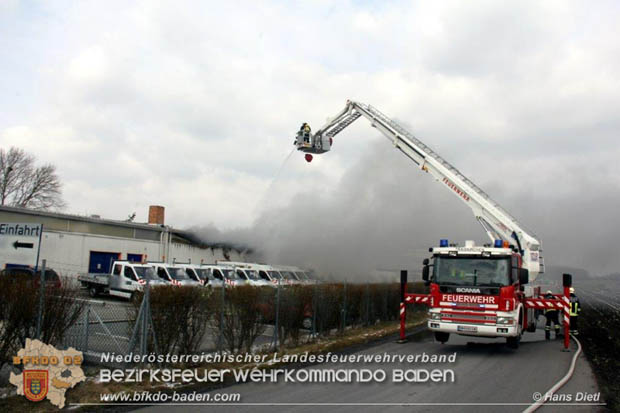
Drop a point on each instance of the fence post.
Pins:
(145, 320)
(86, 327)
(386, 292)
(276, 337)
(402, 311)
(344, 307)
(149, 318)
(41, 300)
(314, 307)
(220, 338)
(367, 304)
(136, 325)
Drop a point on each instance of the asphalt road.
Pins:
(485, 372)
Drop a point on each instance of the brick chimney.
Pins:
(156, 214)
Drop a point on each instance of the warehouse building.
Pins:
(72, 244)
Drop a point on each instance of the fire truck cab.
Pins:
(477, 291)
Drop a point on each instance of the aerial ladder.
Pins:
(507, 235)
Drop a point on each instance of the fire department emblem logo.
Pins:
(35, 384)
(47, 372)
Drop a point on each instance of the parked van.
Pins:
(175, 276)
(251, 276)
(224, 273)
(267, 273)
(289, 274)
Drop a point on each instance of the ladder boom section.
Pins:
(495, 220)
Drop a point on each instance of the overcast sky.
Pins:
(194, 105)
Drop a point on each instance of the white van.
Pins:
(266, 273)
(199, 274)
(225, 273)
(301, 277)
(251, 275)
(172, 275)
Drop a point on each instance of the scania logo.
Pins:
(468, 290)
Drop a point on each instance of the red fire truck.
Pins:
(478, 291)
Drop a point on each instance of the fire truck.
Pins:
(479, 291)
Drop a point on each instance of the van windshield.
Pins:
(287, 275)
(311, 275)
(275, 275)
(146, 273)
(252, 274)
(192, 274)
(177, 273)
(204, 273)
(230, 274)
(301, 275)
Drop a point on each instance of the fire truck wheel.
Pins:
(307, 323)
(441, 336)
(513, 342)
(93, 292)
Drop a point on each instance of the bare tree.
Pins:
(24, 185)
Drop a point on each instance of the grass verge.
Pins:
(599, 333)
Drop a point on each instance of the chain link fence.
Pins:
(190, 320)
(33, 306)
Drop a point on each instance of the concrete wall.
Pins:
(69, 253)
(67, 241)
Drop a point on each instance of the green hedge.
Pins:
(183, 315)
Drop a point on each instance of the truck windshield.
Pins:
(146, 273)
(177, 273)
(493, 272)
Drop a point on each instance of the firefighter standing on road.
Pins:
(551, 314)
(575, 309)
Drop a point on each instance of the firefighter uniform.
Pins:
(305, 132)
(575, 309)
(551, 315)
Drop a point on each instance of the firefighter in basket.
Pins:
(304, 131)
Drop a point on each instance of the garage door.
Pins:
(134, 257)
(101, 262)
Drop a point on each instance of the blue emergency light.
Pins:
(443, 242)
(499, 243)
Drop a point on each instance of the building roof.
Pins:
(181, 235)
(95, 219)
